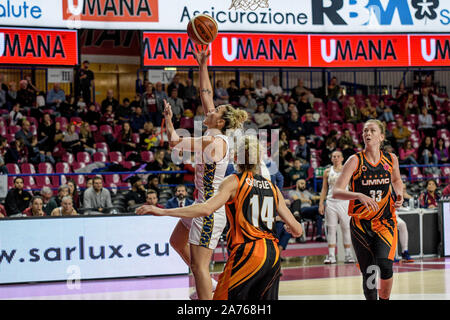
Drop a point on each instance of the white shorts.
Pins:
(206, 231)
(336, 211)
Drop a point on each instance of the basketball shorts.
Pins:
(206, 231)
(252, 272)
(336, 211)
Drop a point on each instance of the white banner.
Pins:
(163, 76)
(60, 75)
(281, 16)
(95, 247)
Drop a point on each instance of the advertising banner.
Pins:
(300, 50)
(305, 16)
(38, 46)
(95, 247)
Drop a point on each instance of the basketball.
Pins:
(202, 29)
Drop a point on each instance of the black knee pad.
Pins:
(385, 266)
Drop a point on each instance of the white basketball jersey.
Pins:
(209, 176)
(332, 178)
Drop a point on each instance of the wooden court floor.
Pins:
(302, 279)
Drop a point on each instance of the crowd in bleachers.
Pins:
(55, 132)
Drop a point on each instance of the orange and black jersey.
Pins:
(373, 180)
(251, 214)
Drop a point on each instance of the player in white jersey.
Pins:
(196, 239)
(335, 211)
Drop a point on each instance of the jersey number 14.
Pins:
(265, 212)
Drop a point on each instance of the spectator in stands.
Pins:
(425, 99)
(47, 204)
(389, 137)
(368, 111)
(89, 183)
(446, 191)
(384, 112)
(328, 148)
(429, 199)
(15, 115)
(302, 204)
(400, 132)
(297, 172)
(180, 199)
(3, 148)
(63, 190)
(294, 126)
(24, 133)
(87, 140)
(407, 153)
(303, 104)
(17, 199)
(401, 93)
(441, 151)
(346, 138)
(73, 192)
(137, 101)
(334, 90)
(56, 96)
(138, 119)
(309, 126)
(147, 138)
(248, 102)
(152, 199)
(283, 140)
(176, 84)
(84, 81)
(92, 115)
(246, 85)
(150, 106)
(281, 107)
(409, 106)
(352, 114)
(426, 123)
(2, 98)
(262, 118)
(270, 104)
(123, 112)
(191, 97)
(260, 90)
(221, 94)
(46, 133)
(176, 104)
(71, 142)
(109, 101)
(96, 197)
(25, 97)
(303, 151)
(17, 152)
(160, 94)
(153, 183)
(125, 141)
(347, 151)
(160, 163)
(298, 90)
(200, 115)
(11, 95)
(249, 123)
(35, 208)
(426, 152)
(274, 88)
(3, 85)
(108, 117)
(233, 92)
(137, 194)
(66, 208)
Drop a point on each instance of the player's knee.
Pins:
(385, 266)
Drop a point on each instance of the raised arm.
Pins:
(227, 191)
(206, 91)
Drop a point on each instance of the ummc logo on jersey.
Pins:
(374, 182)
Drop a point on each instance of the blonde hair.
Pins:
(381, 126)
(234, 118)
(249, 149)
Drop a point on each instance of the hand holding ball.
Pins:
(202, 29)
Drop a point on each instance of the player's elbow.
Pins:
(336, 193)
(206, 210)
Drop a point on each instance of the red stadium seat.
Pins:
(80, 180)
(68, 157)
(29, 182)
(102, 146)
(99, 157)
(93, 127)
(33, 121)
(136, 137)
(104, 128)
(27, 168)
(115, 156)
(147, 156)
(293, 145)
(45, 167)
(62, 167)
(78, 165)
(3, 130)
(114, 179)
(13, 168)
(13, 129)
(128, 164)
(84, 157)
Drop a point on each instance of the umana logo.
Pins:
(436, 49)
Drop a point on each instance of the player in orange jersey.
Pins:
(373, 177)
(251, 202)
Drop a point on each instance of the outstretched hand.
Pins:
(202, 54)
(149, 209)
(168, 114)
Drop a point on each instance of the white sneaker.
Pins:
(349, 259)
(330, 260)
(194, 295)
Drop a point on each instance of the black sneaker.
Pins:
(320, 239)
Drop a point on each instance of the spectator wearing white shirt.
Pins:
(260, 90)
(262, 118)
(426, 122)
(15, 115)
(275, 88)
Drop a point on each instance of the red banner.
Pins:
(38, 47)
(291, 50)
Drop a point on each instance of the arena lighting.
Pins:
(170, 69)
